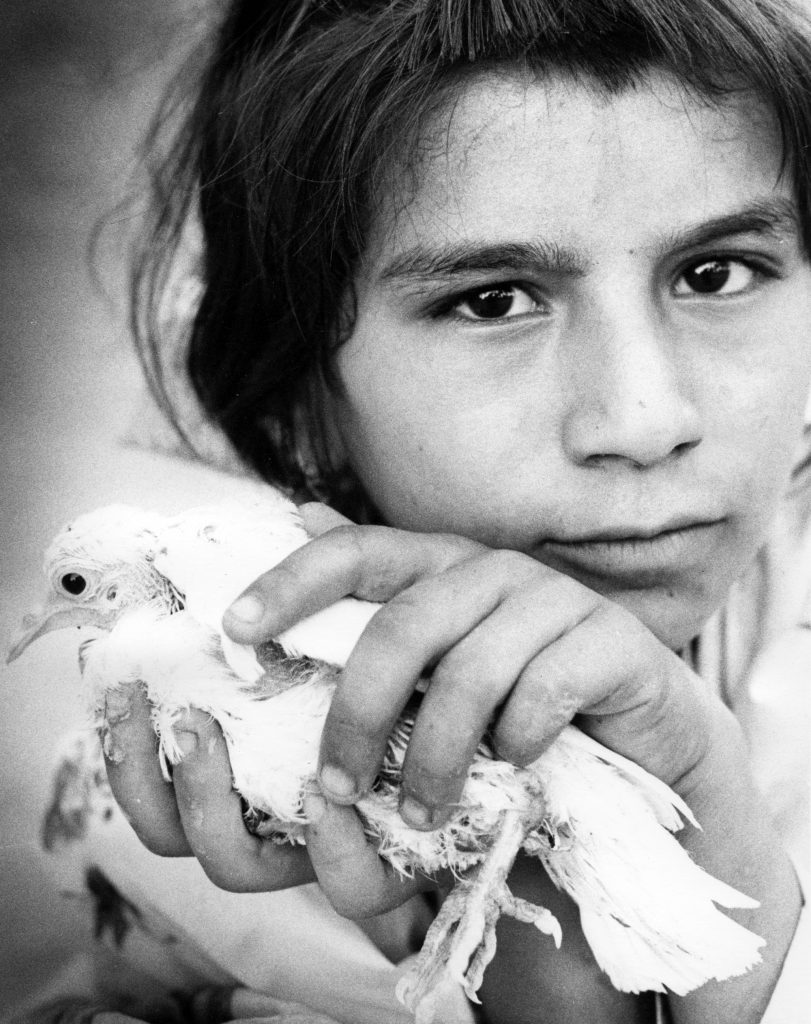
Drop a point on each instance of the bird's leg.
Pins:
(461, 942)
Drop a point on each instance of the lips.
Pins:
(637, 556)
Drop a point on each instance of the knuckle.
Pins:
(451, 549)
(463, 674)
(280, 582)
(396, 616)
(511, 565)
(347, 541)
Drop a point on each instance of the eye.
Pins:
(717, 277)
(73, 583)
(497, 303)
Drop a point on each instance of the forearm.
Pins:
(738, 844)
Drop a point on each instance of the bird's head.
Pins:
(98, 567)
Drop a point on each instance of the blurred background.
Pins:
(79, 80)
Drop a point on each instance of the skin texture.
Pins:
(571, 486)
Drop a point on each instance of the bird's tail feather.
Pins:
(637, 962)
(648, 910)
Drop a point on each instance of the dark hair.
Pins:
(303, 107)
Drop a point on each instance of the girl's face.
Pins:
(585, 335)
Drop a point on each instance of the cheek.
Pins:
(759, 410)
(432, 446)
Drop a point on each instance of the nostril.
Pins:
(686, 446)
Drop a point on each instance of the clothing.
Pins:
(179, 933)
(756, 654)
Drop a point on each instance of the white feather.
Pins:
(637, 889)
(600, 824)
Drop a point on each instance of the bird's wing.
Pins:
(272, 732)
(212, 554)
(670, 810)
(648, 910)
(330, 635)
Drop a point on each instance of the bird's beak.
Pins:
(48, 619)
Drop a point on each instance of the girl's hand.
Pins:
(506, 640)
(517, 648)
(501, 634)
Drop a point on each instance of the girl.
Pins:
(523, 287)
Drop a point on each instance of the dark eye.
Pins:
(497, 303)
(73, 583)
(716, 277)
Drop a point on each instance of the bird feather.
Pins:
(156, 589)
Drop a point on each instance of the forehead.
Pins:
(512, 155)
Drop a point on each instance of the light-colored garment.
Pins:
(756, 654)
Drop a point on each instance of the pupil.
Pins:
(492, 304)
(708, 277)
(74, 583)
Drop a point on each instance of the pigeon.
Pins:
(152, 590)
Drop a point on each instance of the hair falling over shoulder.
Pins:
(306, 112)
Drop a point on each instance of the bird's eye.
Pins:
(73, 583)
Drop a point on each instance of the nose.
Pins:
(629, 387)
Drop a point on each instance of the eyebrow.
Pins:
(422, 262)
(773, 216)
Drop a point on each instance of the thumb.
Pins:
(318, 518)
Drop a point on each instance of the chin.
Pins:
(673, 619)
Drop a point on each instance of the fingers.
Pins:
(373, 563)
(408, 634)
(478, 679)
(626, 689)
(211, 814)
(318, 518)
(478, 624)
(198, 813)
(133, 770)
(355, 879)
(515, 645)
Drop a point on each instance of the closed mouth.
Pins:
(641, 556)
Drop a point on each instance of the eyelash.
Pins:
(446, 308)
(761, 270)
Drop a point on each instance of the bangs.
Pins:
(308, 109)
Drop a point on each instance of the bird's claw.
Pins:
(461, 942)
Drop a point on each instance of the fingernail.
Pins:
(249, 608)
(337, 783)
(315, 807)
(186, 742)
(416, 814)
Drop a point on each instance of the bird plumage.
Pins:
(156, 589)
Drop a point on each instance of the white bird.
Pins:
(156, 588)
